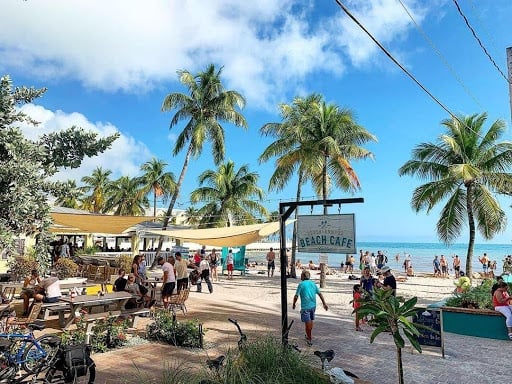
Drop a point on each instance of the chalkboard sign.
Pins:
(429, 318)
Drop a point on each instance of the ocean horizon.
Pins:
(422, 254)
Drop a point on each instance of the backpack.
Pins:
(76, 360)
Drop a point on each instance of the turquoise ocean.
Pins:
(422, 254)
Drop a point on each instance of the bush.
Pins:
(65, 268)
(266, 361)
(125, 262)
(167, 329)
(20, 266)
(107, 333)
(474, 297)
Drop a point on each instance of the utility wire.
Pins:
(479, 41)
(388, 54)
(482, 24)
(440, 55)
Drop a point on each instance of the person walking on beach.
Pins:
(271, 262)
(381, 259)
(485, 263)
(444, 266)
(307, 291)
(437, 267)
(230, 264)
(456, 266)
(214, 262)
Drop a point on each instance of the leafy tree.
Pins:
(126, 197)
(26, 167)
(206, 106)
(465, 168)
(97, 185)
(156, 180)
(388, 315)
(229, 196)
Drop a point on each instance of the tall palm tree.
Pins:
(229, 196)
(465, 168)
(97, 184)
(206, 106)
(156, 180)
(127, 197)
(311, 127)
(70, 196)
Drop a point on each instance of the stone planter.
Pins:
(474, 322)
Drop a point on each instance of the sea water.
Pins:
(422, 255)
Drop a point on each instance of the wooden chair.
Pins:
(178, 301)
(8, 293)
(32, 316)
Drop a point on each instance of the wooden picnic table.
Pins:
(77, 303)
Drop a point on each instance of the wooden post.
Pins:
(322, 275)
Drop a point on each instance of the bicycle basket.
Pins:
(75, 359)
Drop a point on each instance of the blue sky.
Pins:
(109, 65)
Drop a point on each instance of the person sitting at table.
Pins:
(133, 288)
(48, 290)
(120, 282)
(27, 292)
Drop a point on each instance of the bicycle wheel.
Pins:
(38, 356)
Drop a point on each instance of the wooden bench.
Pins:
(133, 314)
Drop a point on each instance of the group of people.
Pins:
(45, 290)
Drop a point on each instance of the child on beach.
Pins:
(356, 297)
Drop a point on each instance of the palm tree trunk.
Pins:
(171, 204)
(399, 365)
(472, 231)
(324, 183)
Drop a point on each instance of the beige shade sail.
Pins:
(93, 223)
(222, 237)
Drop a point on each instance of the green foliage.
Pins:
(65, 268)
(266, 361)
(125, 262)
(475, 297)
(390, 315)
(107, 333)
(167, 329)
(21, 266)
(89, 250)
(27, 165)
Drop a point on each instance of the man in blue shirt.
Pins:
(307, 291)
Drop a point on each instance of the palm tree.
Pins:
(156, 180)
(70, 196)
(127, 197)
(192, 216)
(229, 196)
(97, 184)
(311, 127)
(465, 168)
(207, 105)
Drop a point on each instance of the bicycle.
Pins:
(23, 351)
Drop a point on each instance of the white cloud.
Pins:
(268, 47)
(123, 158)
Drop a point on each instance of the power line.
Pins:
(388, 54)
(479, 41)
(440, 55)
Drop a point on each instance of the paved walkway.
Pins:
(468, 360)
